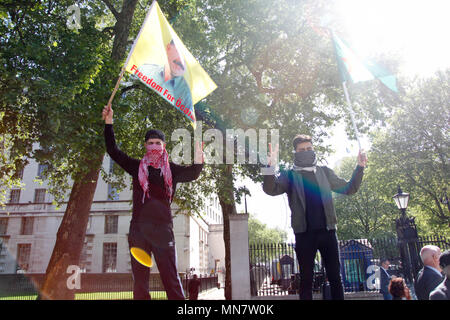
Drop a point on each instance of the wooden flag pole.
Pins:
(352, 117)
(116, 87)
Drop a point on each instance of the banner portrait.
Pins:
(160, 60)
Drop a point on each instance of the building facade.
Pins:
(29, 223)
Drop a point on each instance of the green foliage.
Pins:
(366, 214)
(259, 232)
(413, 151)
(47, 71)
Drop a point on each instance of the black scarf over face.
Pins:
(305, 158)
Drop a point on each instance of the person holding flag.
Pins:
(151, 227)
(313, 219)
(160, 61)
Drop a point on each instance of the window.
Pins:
(39, 195)
(3, 226)
(111, 223)
(109, 257)
(41, 169)
(23, 256)
(3, 253)
(19, 174)
(86, 254)
(14, 197)
(112, 193)
(111, 165)
(27, 226)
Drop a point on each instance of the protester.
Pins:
(308, 187)
(429, 276)
(442, 291)
(151, 227)
(398, 289)
(385, 279)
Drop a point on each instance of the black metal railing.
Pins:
(206, 283)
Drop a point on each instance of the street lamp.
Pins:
(401, 200)
(407, 236)
(444, 198)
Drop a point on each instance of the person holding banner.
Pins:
(151, 228)
(308, 187)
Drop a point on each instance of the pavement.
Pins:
(212, 294)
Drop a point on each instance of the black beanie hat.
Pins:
(155, 134)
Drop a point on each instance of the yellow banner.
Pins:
(160, 60)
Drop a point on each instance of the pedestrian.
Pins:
(313, 219)
(442, 291)
(429, 276)
(151, 227)
(398, 289)
(385, 279)
(194, 286)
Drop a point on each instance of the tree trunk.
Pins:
(226, 199)
(70, 236)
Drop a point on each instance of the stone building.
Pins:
(29, 223)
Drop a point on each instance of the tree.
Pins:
(413, 150)
(259, 232)
(366, 214)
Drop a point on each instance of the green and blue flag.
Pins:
(357, 69)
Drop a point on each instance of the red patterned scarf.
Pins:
(158, 158)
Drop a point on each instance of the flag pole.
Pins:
(352, 116)
(116, 87)
(128, 58)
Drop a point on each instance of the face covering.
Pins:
(305, 159)
(158, 158)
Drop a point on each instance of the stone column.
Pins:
(240, 268)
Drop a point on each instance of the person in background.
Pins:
(442, 291)
(429, 276)
(398, 289)
(194, 286)
(385, 279)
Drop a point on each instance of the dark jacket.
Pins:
(427, 281)
(157, 208)
(290, 182)
(385, 279)
(442, 291)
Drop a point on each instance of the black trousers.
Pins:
(306, 246)
(165, 255)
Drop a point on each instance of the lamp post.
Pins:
(407, 236)
(444, 198)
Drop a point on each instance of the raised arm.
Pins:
(275, 186)
(340, 185)
(127, 163)
(186, 173)
(192, 172)
(272, 185)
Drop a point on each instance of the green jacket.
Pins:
(290, 181)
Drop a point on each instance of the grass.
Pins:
(123, 295)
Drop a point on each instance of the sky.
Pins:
(416, 31)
